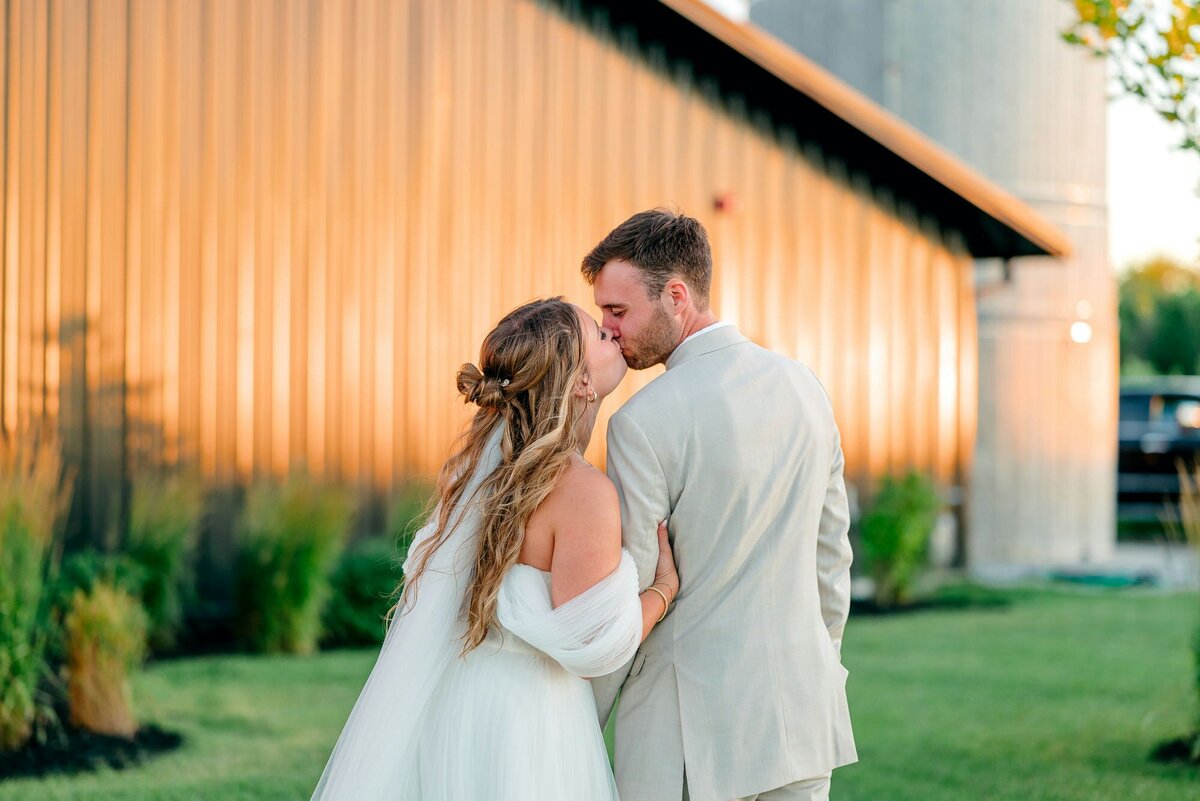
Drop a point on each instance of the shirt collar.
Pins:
(705, 330)
(695, 345)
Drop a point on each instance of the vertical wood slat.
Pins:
(51, 387)
(299, 76)
(241, 287)
(137, 140)
(263, 20)
(206, 429)
(278, 293)
(228, 263)
(33, 240)
(317, 210)
(173, 226)
(12, 206)
(70, 238)
(106, 259)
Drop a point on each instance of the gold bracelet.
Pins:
(666, 603)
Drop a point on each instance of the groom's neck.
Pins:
(699, 321)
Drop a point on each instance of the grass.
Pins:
(254, 728)
(1059, 696)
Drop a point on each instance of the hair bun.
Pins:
(484, 391)
(468, 380)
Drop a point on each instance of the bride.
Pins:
(516, 591)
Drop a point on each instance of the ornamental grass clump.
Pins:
(35, 493)
(105, 630)
(292, 536)
(164, 523)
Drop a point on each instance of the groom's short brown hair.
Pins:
(660, 244)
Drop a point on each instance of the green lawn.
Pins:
(1059, 696)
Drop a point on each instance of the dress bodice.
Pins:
(592, 634)
(499, 638)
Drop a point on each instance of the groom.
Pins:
(740, 691)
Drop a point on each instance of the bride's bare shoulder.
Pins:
(580, 514)
(582, 493)
(583, 487)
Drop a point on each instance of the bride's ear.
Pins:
(583, 386)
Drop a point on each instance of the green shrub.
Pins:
(895, 534)
(368, 577)
(407, 512)
(292, 536)
(163, 526)
(83, 571)
(363, 585)
(34, 494)
(106, 639)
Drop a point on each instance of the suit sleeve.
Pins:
(642, 489)
(833, 550)
(634, 469)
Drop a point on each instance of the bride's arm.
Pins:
(666, 581)
(586, 520)
(585, 523)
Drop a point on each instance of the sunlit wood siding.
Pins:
(250, 236)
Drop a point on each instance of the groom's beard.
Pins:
(654, 344)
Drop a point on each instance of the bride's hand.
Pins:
(665, 574)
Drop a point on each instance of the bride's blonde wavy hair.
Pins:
(528, 369)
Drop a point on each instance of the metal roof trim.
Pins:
(874, 122)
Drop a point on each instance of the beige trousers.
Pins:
(808, 790)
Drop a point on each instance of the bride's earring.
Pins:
(591, 396)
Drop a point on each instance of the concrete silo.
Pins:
(991, 81)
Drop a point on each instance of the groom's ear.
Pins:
(678, 292)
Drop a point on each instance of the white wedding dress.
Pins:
(514, 719)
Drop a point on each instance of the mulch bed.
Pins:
(869, 608)
(1182, 749)
(71, 750)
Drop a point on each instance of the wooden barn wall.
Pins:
(250, 236)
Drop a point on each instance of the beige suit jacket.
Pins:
(742, 684)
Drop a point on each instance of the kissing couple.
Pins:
(705, 578)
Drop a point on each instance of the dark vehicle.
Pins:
(1159, 428)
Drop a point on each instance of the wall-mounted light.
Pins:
(723, 203)
(1081, 332)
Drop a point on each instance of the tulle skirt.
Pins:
(510, 724)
